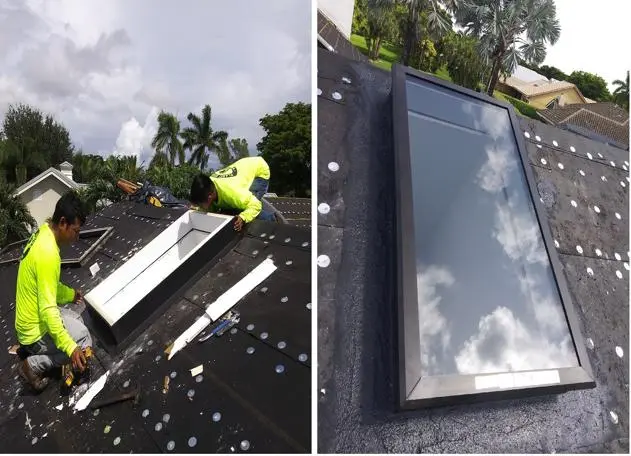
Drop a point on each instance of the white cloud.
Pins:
(504, 344)
(495, 173)
(96, 65)
(434, 329)
(519, 234)
(135, 139)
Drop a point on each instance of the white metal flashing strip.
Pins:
(91, 393)
(224, 303)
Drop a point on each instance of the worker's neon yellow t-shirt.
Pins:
(233, 186)
(39, 291)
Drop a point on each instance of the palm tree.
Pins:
(621, 94)
(16, 221)
(167, 139)
(200, 137)
(437, 20)
(509, 31)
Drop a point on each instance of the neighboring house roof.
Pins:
(540, 87)
(527, 75)
(357, 287)
(254, 393)
(606, 119)
(50, 172)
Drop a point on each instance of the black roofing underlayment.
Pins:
(240, 403)
(356, 289)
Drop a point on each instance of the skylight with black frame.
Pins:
(483, 308)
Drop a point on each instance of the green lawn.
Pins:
(388, 55)
(442, 73)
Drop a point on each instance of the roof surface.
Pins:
(336, 39)
(40, 177)
(261, 409)
(356, 287)
(296, 211)
(540, 87)
(606, 119)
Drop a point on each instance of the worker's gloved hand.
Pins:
(78, 296)
(238, 223)
(78, 359)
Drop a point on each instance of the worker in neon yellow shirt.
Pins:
(49, 337)
(240, 186)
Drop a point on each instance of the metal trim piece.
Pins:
(416, 391)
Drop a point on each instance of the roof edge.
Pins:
(49, 172)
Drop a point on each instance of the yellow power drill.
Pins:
(68, 373)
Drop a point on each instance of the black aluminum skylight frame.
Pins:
(416, 391)
(103, 235)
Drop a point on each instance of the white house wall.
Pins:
(42, 198)
(340, 12)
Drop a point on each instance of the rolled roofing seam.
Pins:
(224, 303)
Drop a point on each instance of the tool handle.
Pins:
(121, 398)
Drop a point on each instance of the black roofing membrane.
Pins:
(356, 292)
(261, 410)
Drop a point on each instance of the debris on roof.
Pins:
(254, 393)
(357, 283)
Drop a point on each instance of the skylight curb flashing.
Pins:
(122, 305)
(416, 390)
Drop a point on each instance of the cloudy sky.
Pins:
(106, 68)
(593, 38)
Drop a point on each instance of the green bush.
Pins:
(522, 107)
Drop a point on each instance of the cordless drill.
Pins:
(70, 376)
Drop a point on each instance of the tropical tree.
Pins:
(16, 221)
(19, 162)
(380, 25)
(591, 85)
(232, 150)
(460, 54)
(621, 94)
(167, 139)
(31, 143)
(200, 138)
(177, 179)
(551, 72)
(286, 147)
(509, 31)
(86, 167)
(438, 21)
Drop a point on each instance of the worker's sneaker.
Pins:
(38, 383)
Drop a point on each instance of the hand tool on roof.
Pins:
(226, 322)
(134, 395)
(70, 376)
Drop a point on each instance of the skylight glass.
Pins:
(481, 309)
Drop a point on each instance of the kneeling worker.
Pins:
(48, 336)
(240, 186)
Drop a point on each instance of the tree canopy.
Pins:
(15, 218)
(591, 85)
(621, 93)
(286, 147)
(509, 32)
(31, 142)
(552, 72)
